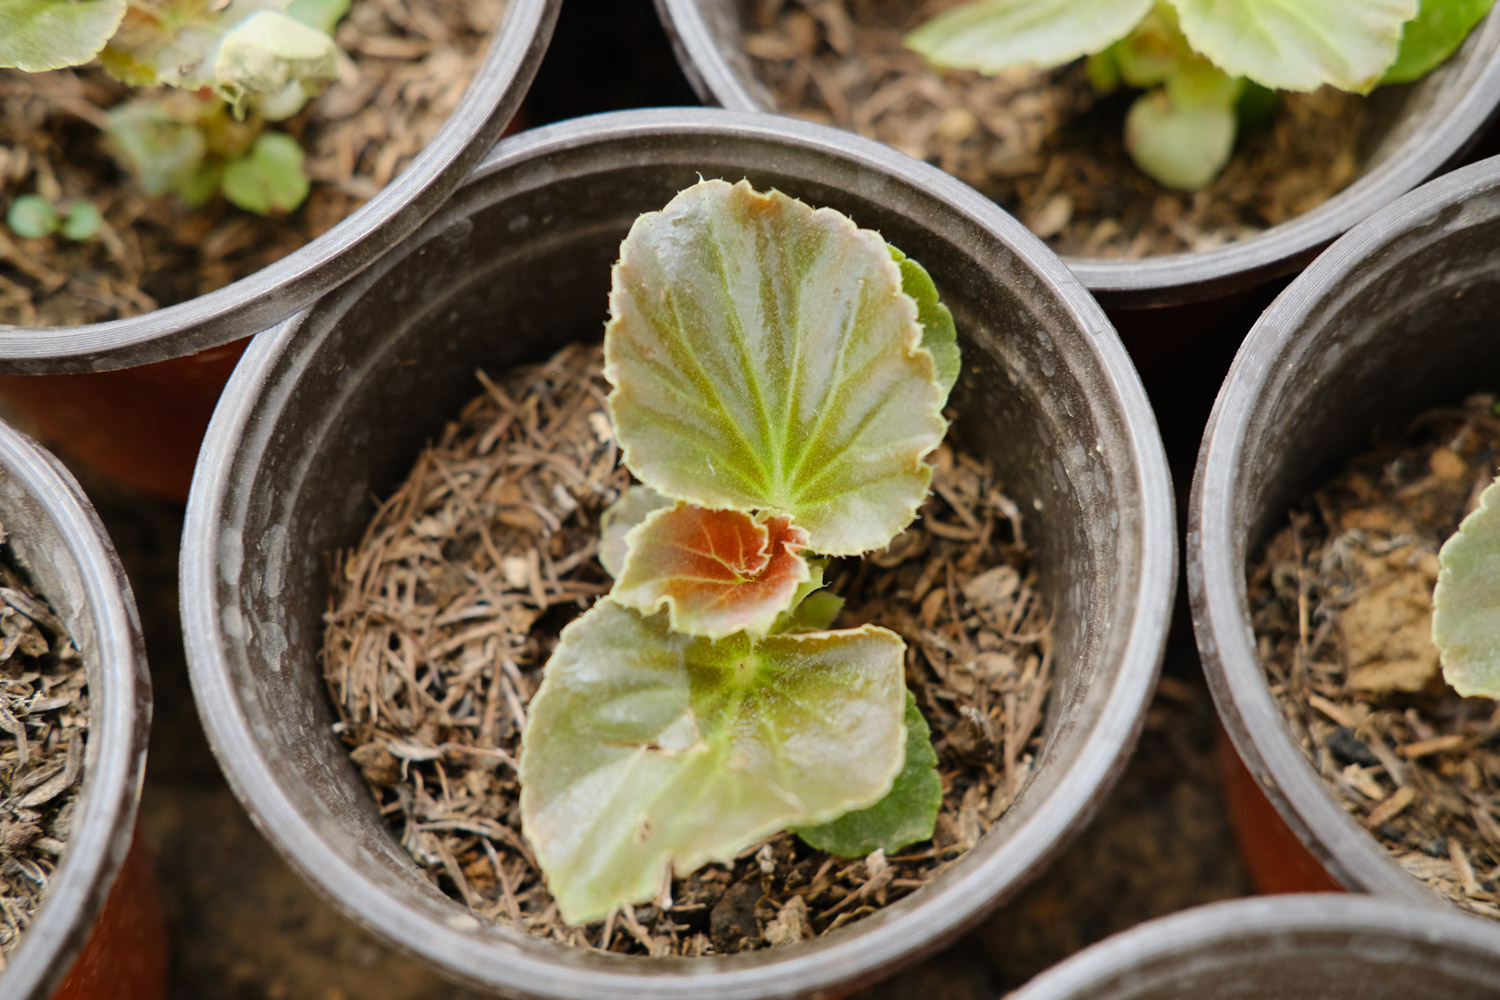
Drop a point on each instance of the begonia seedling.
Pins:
(1205, 65)
(778, 378)
(1466, 601)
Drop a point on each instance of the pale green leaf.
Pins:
(648, 752)
(939, 334)
(764, 357)
(32, 216)
(37, 35)
(905, 816)
(1182, 148)
(1298, 44)
(83, 222)
(1153, 50)
(715, 572)
(162, 150)
(813, 609)
(992, 35)
(1432, 36)
(270, 53)
(270, 179)
(321, 14)
(1466, 601)
(618, 518)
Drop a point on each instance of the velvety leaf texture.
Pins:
(648, 751)
(37, 35)
(715, 572)
(905, 816)
(992, 35)
(1466, 601)
(764, 357)
(1432, 36)
(1298, 44)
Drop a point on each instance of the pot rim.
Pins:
(1172, 279)
(274, 292)
(872, 946)
(119, 725)
(1216, 561)
(1203, 929)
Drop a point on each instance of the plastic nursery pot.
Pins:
(1322, 947)
(331, 409)
(99, 930)
(1394, 318)
(1416, 129)
(142, 425)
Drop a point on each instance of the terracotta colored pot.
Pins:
(118, 946)
(143, 427)
(331, 409)
(1420, 128)
(1396, 317)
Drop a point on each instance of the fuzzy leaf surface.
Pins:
(764, 357)
(38, 35)
(1430, 38)
(619, 518)
(1466, 601)
(648, 751)
(992, 35)
(905, 816)
(716, 572)
(1297, 44)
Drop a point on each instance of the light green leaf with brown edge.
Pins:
(648, 752)
(1298, 44)
(38, 35)
(764, 357)
(1466, 601)
(993, 35)
(715, 572)
(629, 510)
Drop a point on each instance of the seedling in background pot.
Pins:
(1207, 66)
(33, 217)
(778, 378)
(238, 64)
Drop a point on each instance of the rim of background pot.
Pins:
(58, 539)
(1450, 108)
(1269, 442)
(1302, 947)
(274, 292)
(662, 143)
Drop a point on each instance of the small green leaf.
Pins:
(1431, 37)
(1183, 148)
(764, 357)
(992, 35)
(814, 609)
(270, 179)
(1153, 51)
(905, 816)
(162, 151)
(1198, 83)
(267, 53)
(83, 222)
(716, 572)
(37, 35)
(618, 518)
(939, 335)
(1466, 601)
(1298, 44)
(647, 751)
(32, 217)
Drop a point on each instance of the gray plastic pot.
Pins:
(331, 409)
(60, 544)
(1397, 316)
(1419, 128)
(1319, 947)
(132, 397)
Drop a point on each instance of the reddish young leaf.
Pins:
(717, 571)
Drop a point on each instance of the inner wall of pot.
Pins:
(508, 274)
(1413, 324)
